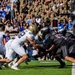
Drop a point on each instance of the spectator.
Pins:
(43, 24)
(27, 25)
(29, 20)
(8, 16)
(69, 25)
(38, 20)
(25, 9)
(21, 27)
(18, 5)
(15, 21)
(15, 28)
(3, 13)
(8, 27)
(60, 26)
(47, 22)
(7, 36)
(20, 19)
(0, 11)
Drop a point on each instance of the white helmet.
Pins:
(33, 29)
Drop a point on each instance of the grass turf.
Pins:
(39, 68)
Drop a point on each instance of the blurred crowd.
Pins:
(17, 15)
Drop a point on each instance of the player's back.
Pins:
(21, 37)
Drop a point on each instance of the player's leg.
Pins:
(2, 54)
(1, 57)
(59, 58)
(9, 57)
(72, 51)
(62, 63)
(20, 51)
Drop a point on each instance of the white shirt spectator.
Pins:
(8, 28)
(39, 21)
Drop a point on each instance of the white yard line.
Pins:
(73, 69)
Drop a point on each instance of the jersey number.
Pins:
(21, 34)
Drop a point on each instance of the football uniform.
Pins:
(59, 42)
(10, 54)
(2, 47)
(16, 44)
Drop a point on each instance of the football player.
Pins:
(16, 45)
(67, 49)
(2, 42)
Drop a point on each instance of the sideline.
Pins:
(73, 68)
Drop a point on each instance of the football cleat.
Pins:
(15, 68)
(62, 65)
(27, 60)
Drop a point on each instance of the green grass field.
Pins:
(39, 68)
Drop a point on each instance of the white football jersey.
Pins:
(1, 36)
(21, 37)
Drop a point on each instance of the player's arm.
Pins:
(52, 47)
(4, 39)
(32, 42)
(49, 50)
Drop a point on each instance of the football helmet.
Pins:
(33, 29)
(39, 34)
(45, 31)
